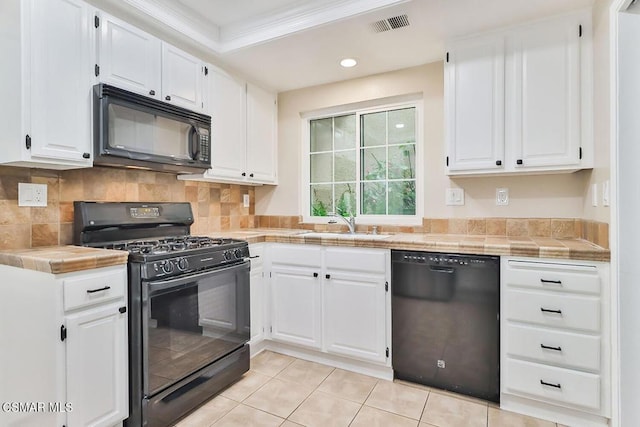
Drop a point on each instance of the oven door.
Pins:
(190, 322)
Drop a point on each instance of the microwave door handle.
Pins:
(194, 142)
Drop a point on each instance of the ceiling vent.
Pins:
(390, 23)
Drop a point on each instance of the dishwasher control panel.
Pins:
(435, 258)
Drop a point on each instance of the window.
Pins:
(364, 163)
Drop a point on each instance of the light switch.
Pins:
(245, 200)
(594, 195)
(605, 194)
(502, 196)
(454, 197)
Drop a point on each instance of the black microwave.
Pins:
(132, 130)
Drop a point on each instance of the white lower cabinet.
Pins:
(67, 334)
(555, 340)
(257, 293)
(296, 304)
(354, 315)
(330, 299)
(97, 368)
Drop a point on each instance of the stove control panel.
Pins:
(169, 266)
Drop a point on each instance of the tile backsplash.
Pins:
(215, 207)
(556, 228)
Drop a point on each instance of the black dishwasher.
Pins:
(445, 321)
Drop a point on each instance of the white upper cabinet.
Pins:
(182, 77)
(543, 110)
(134, 60)
(243, 132)
(46, 91)
(129, 58)
(520, 100)
(261, 135)
(227, 107)
(475, 104)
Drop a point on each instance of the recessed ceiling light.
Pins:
(348, 62)
(399, 125)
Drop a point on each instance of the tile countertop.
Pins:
(536, 247)
(62, 259)
(66, 259)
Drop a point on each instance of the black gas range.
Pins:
(188, 298)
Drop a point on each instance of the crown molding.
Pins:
(291, 20)
(273, 25)
(178, 21)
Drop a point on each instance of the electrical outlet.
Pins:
(502, 196)
(245, 200)
(32, 194)
(594, 195)
(454, 197)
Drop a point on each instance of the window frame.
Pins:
(359, 109)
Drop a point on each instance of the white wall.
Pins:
(560, 195)
(628, 214)
(601, 115)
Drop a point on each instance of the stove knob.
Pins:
(167, 266)
(238, 253)
(183, 264)
(228, 255)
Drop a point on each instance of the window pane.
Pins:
(321, 168)
(402, 161)
(402, 126)
(373, 164)
(345, 166)
(345, 202)
(374, 129)
(373, 198)
(321, 131)
(402, 198)
(321, 200)
(345, 132)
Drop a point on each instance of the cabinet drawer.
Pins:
(562, 386)
(553, 309)
(94, 288)
(367, 260)
(301, 255)
(566, 349)
(553, 276)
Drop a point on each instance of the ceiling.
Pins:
(289, 44)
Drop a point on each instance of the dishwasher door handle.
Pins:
(439, 269)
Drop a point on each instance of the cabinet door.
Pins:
(128, 57)
(543, 93)
(257, 305)
(355, 316)
(261, 135)
(182, 76)
(296, 306)
(474, 111)
(97, 369)
(59, 84)
(227, 107)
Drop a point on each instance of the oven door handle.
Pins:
(158, 286)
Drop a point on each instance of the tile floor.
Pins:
(284, 391)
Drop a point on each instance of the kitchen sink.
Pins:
(328, 235)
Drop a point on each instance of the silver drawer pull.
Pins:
(550, 384)
(93, 291)
(546, 347)
(547, 310)
(554, 282)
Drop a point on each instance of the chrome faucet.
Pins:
(351, 222)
